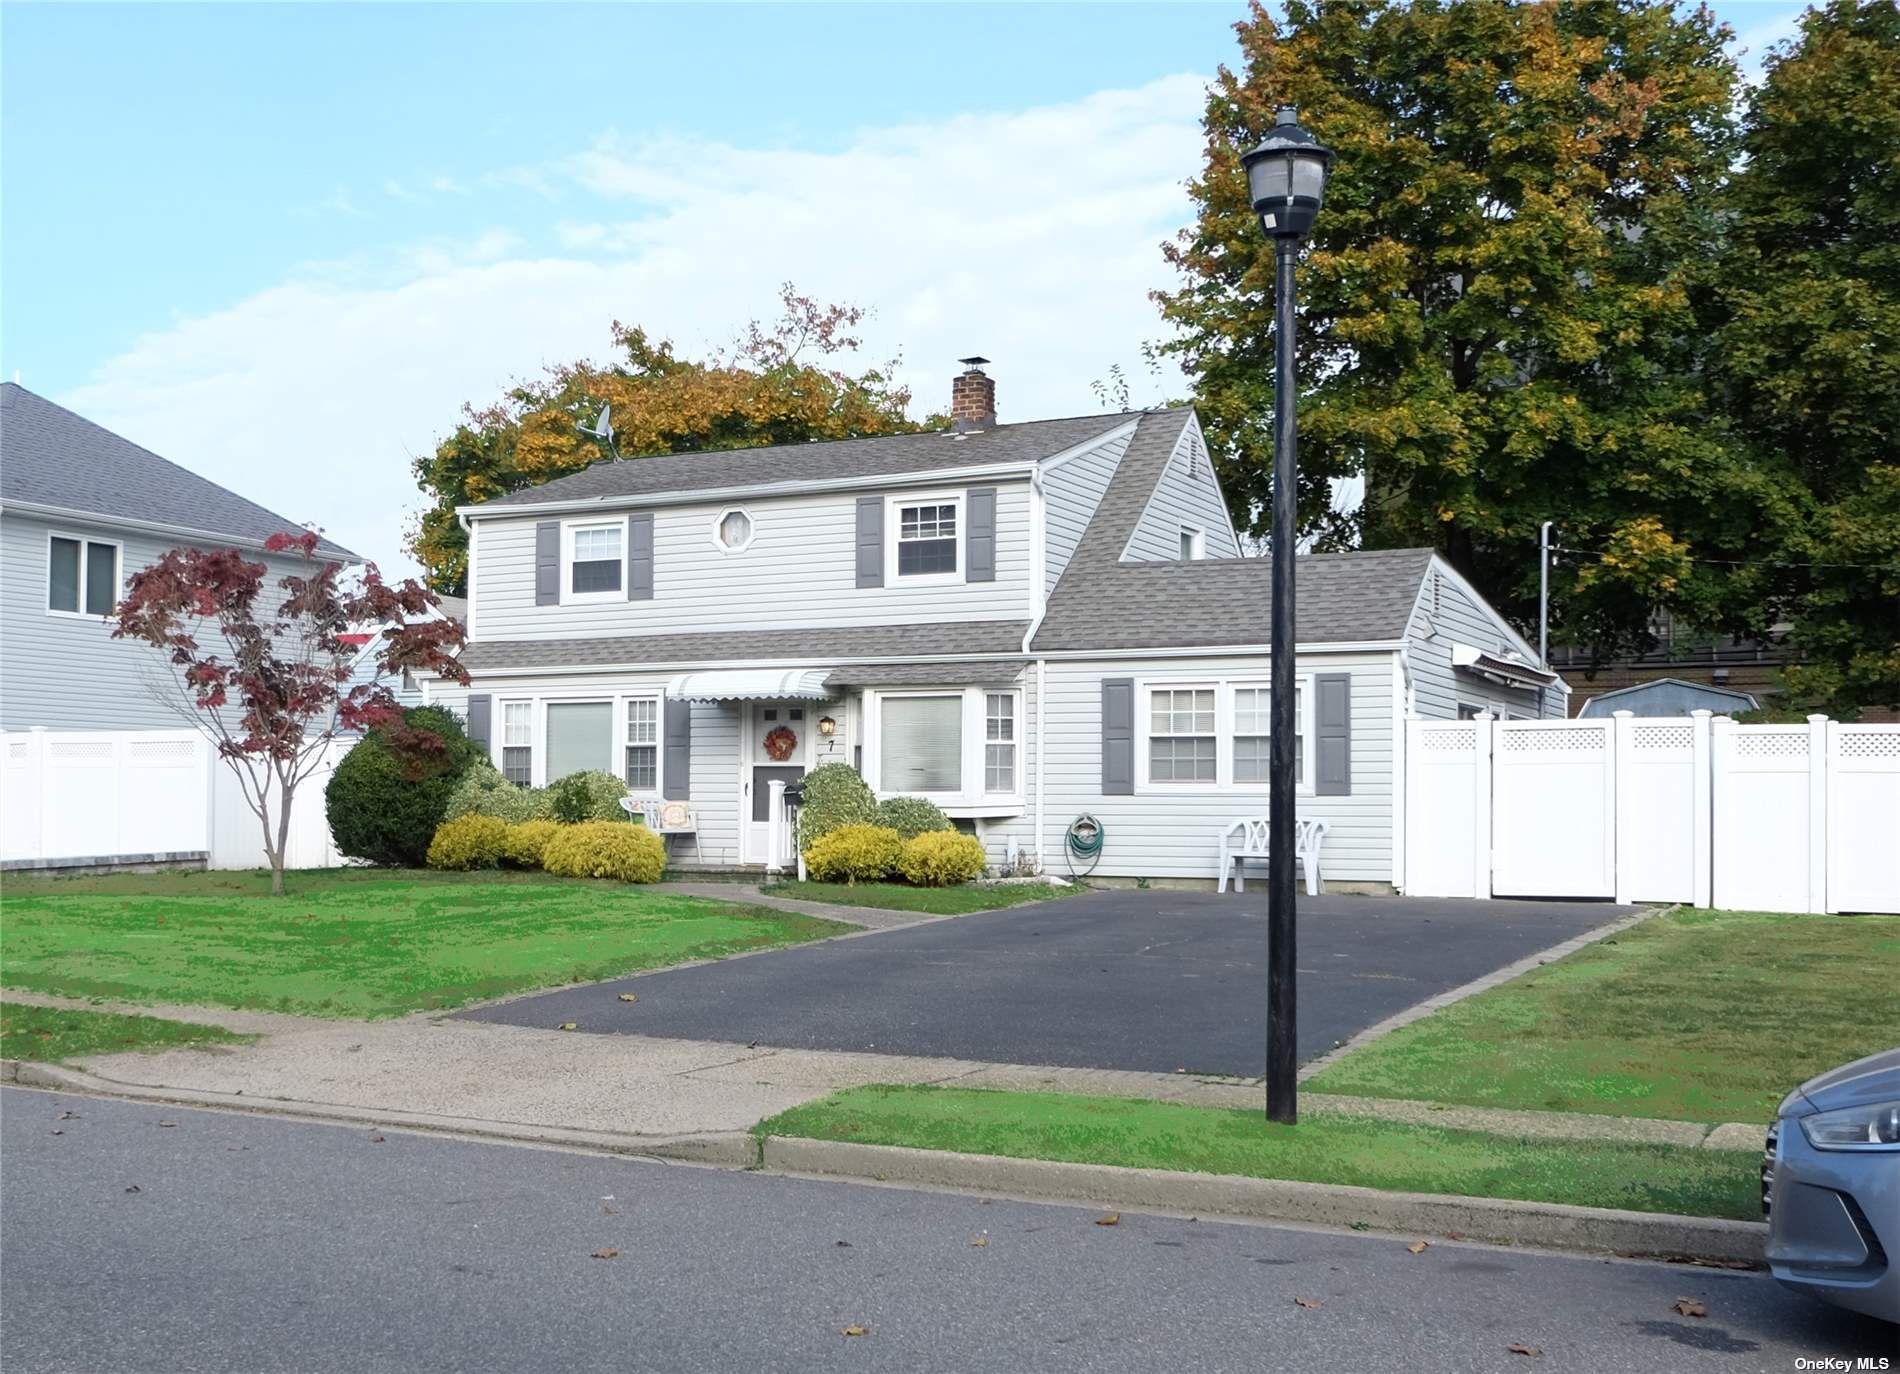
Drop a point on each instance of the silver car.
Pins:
(1830, 1187)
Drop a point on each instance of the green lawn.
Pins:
(51, 1034)
(1694, 1016)
(359, 942)
(1321, 1149)
(938, 901)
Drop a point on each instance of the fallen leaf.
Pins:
(1689, 1307)
(59, 1132)
(606, 1252)
(569, 1025)
(1517, 1348)
(611, 1211)
(1112, 1219)
(1419, 1247)
(167, 1125)
(68, 1116)
(980, 1241)
(628, 997)
(135, 1189)
(1305, 1302)
(854, 1331)
(842, 1244)
(376, 1139)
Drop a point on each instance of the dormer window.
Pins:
(1193, 544)
(733, 530)
(927, 532)
(596, 559)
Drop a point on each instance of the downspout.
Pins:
(1038, 606)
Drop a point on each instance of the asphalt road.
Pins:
(234, 1243)
(1151, 980)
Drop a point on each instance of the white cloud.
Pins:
(1030, 237)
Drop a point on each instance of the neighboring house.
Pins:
(81, 510)
(368, 639)
(1023, 622)
(1668, 696)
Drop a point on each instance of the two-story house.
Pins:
(1022, 622)
(81, 510)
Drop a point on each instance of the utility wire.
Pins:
(1746, 562)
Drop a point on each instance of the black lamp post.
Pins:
(1286, 178)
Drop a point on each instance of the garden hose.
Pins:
(1086, 835)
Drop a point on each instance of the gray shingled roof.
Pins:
(991, 638)
(990, 672)
(52, 457)
(894, 455)
(1101, 602)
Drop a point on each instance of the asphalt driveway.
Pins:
(1152, 980)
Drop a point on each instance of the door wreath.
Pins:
(780, 743)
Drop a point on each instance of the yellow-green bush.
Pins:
(854, 854)
(526, 841)
(941, 858)
(605, 849)
(468, 842)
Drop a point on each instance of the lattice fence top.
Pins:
(1870, 744)
(1792, 745)
(1647, 737)
(163, 750)
(80, 749)
(1458, 741)
(1568, 740)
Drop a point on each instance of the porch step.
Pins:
(713, 873)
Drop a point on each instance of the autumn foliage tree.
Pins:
(778, 384)
(265, 670)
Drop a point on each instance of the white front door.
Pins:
(774, 744)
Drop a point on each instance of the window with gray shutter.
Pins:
(1118, 736)
(981, 534)
(870, 541)
(1332, 726)
(547, 563)
(640, 557)
(480, 715)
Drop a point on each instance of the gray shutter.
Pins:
(1118, 736)
(979, 510)
(547, 563)
(481, 715)
(1332, 763)
(870, 541)
(678, 777)
(640, 557)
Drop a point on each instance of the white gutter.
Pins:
(223, 539)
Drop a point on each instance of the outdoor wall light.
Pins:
(827, 726)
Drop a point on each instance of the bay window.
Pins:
(999, 743)
(517, 742)
(961, 747)
(921, 746)
(643, 744)
(580, 737)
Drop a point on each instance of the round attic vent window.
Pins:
(734, 530)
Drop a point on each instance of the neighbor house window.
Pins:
(517, 742)
(921, 745)
(596, 557)
(82, 576)
(580, 737)
(1182, 742)
(1252, 727)
(643, 744)
(927, 539)
(1193, 544)
(999, 742)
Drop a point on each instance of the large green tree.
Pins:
(779, 384)
(1496, 316)
(1803, 311)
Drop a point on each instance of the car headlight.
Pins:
(1875, 1126)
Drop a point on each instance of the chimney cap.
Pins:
(973, 363)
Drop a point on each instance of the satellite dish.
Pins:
(602, 430)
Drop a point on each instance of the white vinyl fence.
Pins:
(1698, 810)
(109, 795)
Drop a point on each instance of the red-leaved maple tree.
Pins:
(269, 671)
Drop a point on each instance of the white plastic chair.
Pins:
(665, 818)
(1247, 839)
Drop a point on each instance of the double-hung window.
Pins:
(1252, 728)
(643, 744)
(999, 743)
(921, 749)
(82, 576)
(1183, 740)
(596, 559)
(927, 539)
(517, 742)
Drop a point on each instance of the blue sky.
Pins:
(272, 241)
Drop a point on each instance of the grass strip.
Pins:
(1321, 1149)
(360, 943)
(1707, 1016)
(937, 901)
(50, 1035)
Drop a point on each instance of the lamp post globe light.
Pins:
(1286, 180)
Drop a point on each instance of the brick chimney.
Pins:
(973, 397)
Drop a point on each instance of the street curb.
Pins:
(724, 1149)
(1540, 1225)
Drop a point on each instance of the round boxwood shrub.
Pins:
(468, 842)
(526, 842)
(587, 796)
(834, 795)
(483, 791)
(389, 793)
(941, 858)
(912, 816)
(605, 849)
(854, 854)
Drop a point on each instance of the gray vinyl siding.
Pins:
(68, 673)
(1445, 615)
(1186, 496)
(1070, 493)
(799, 570)
(1155, 834)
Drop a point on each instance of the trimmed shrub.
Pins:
(588, 796)
(526, 841)
(834, 796)
(912, 816)
(483, 791)
(854, 854)
(605, 849)
(390, 792)
(941, 858)
(468, 842)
